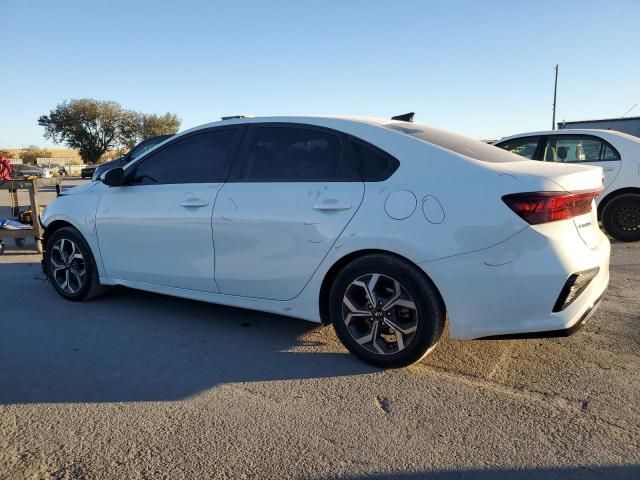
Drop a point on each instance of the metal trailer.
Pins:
(12, 186)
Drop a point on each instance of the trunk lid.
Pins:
(568, 176)
(571, 178)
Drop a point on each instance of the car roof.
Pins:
(571, 131)
(311, 119)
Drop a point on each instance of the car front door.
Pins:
(585, 150)
(282, 211)
(156, 229)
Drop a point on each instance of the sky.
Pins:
(481, 68)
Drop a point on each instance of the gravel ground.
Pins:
(135, 385)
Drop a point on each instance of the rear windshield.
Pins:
(456, 143)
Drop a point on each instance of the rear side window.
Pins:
(577, 149)
(374, 164)
(200, 158)
(293, 154)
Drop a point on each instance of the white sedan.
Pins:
(617, 153)
(383, 228)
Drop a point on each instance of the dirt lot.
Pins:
(135, 385)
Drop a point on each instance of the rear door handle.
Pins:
(194, 202)
(335, 207)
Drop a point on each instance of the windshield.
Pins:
(456, 143)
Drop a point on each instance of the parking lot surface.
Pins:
(136, 385)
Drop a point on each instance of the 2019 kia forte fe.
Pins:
(383, 228)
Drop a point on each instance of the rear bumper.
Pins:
(565, 332)
(509, 290)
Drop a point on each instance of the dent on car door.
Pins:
(584, 149)
(156, 229)
(274, 224)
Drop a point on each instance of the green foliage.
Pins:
(94, 127)
(138, 126)
(154, 125)
(31, 153)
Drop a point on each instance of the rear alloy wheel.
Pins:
(385, 311)
(621, 217)
(70, 265)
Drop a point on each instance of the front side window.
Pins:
(199, 158)
(293, 154)
(525, 147)
(576, 149)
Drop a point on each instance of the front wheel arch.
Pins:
(51, 229)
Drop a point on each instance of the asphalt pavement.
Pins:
(137, 385)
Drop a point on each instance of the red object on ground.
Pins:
(5, 169)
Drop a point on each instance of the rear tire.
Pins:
(70, 266)
(386, 311)
(621, 217)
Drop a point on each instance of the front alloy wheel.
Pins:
(68, 267)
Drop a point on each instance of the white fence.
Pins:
(43, 162)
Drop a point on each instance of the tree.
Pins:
(88, 125)
(94, 127)
(130, 128)
(138, 126)
(154, 125)
(30, 154)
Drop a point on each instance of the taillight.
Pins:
(544, 207)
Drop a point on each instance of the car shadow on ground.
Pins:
(135, 346)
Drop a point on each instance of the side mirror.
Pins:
(113, 177)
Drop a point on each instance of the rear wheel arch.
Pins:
(611, 196)
(341, 263)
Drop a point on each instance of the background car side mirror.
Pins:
(113, 177)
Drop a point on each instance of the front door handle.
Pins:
(608, 169)
(194, 202)
(332, 206)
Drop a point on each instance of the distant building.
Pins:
(630, 125)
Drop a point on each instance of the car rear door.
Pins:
(156, 229)
(285, 205)
(584, 150)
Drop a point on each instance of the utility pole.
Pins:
(555, 93)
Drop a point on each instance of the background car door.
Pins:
(277, 219)
(586, 149)
(527, 147)
(157, 228)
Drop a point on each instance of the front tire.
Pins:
(621, 217)
(70, 265)
(386, 311)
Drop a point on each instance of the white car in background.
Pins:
(383, 228)
(617, 153)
